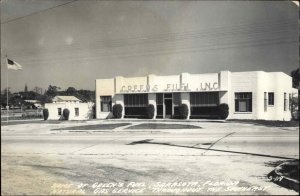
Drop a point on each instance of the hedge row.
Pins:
(66, 114)
(223, 111)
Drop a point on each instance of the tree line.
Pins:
(18, 99)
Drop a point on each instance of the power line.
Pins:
(38, 12)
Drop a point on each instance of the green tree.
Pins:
(296, 78)
(294, 107)
(86, 95)
(52, 91)
(44, 99)
(31, 95)
(38, 90)
(295, 101)
(6, 92)
(16, 100)
(71, 91)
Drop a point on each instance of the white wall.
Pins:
(229, 83)
(243, 82)
(259, 82)
(104, 87)
(85, 110)
(279, 83)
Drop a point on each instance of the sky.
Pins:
(71, 43)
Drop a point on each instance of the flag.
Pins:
(13, 65)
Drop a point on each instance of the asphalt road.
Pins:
(216, 152)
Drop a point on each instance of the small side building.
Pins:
(78, 110)
(33, 104)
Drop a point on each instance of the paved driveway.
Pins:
(210, 158)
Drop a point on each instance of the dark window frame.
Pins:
(243, 96)
(271, 97)
(265, 102)
(106, 100)
(136, 100)
(204, 99)
(76, 111)
(59, 111)
(176, 99)
(285, 102)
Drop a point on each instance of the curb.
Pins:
(165, 120)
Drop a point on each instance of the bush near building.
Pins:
(45, 114)
(66, 113)
(223, 110)
(117, 110)
(183, 111)
(150, 111)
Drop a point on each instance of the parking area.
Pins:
(171, 157)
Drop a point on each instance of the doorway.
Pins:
(168, 103)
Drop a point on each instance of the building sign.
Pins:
(184, 87)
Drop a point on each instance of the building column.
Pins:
(152, 100)
(225, 94)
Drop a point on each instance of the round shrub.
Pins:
(223, 110)
(94, 112)
(150, 111)
(117, 110)
(66, 113)
(183, 111)
(45, 114)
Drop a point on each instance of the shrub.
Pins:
(45, 114)
(183, 111)
(66, 113)
(117, 110)
(150, 111)
(94, 111)
(223, 110)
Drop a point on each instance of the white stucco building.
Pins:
(78, 110)
(249, 95)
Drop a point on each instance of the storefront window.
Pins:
(176, 99)
(105, 103)
(204, 99)
(243, 102)
(136, 100)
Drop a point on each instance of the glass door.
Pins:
(168, 103)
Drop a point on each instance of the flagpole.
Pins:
(7, 107)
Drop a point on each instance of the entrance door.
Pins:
(168, 101)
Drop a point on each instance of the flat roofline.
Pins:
(191, 74)
(171, 92)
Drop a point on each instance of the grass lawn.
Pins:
(95, 127)
(163, 126)
(269, 123)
